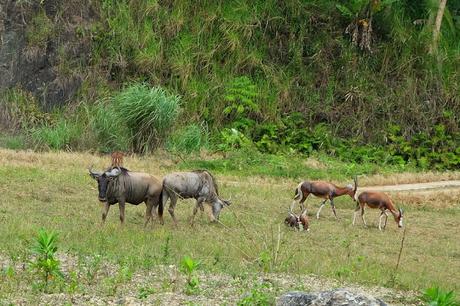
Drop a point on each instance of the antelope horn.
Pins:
(355, 179)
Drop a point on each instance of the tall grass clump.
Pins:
(19, 110)
(108, 127)
(64, 134)
(191, 138)
(149, 113)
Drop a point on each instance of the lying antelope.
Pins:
(380, 200)
(298, 222)
(325, 190)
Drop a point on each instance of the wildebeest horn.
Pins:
(92, 173)
(114, 172)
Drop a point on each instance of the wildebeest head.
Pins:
(218, 205)
(103, 180)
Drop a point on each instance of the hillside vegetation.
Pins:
(358, 80)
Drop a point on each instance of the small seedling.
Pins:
(144, 292)
(188, 267)
(46, 264)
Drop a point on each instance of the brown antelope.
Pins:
(117, 159)
(325, 190)
(380, 200)
(298, 222)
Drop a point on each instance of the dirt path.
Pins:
(413, 187)
(454, 184)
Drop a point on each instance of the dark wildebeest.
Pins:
(119, 185)
(197, 184)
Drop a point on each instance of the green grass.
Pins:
(294, 166)
(54, 190)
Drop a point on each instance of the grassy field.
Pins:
(54, 190)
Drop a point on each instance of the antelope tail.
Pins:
(298, 192)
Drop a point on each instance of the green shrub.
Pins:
(188, 139)
(257, 297)
(13, 142)
(46, 264)
(61, 135)
(435, 296)
(149, 113)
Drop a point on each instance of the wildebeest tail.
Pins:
(160, 205)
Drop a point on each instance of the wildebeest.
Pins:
(119, 185)
(197, 184)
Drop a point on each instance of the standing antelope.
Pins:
(117, 159)
(380, 200)
(325, 190)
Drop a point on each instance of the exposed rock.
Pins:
(328, 298)
(38, 69)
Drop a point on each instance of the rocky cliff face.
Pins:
(42, 48)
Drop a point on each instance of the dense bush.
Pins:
(62, 135)
(191, 138)
(148, 113)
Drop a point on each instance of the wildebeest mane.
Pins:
(123, 169)
(214, 181)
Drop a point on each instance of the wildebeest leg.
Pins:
(105, 211)
(172, 205)
(148, 211)
(199, 203)
(320, 207)
(333, 207)
(355, 213)
(122, 211)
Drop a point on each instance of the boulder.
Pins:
(328, 298)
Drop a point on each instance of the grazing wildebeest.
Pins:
(119, 185)
(197, 184)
